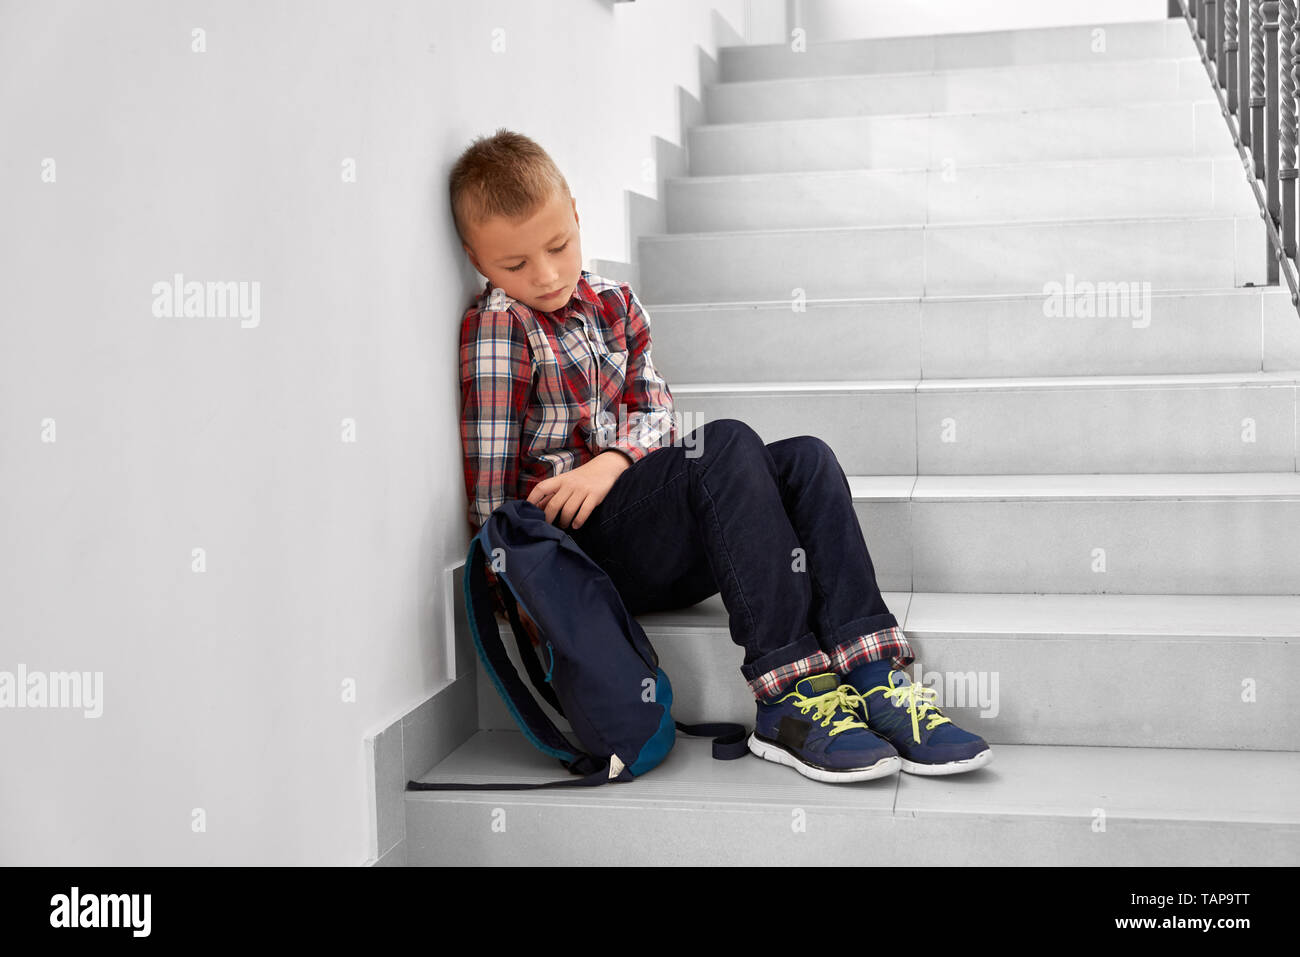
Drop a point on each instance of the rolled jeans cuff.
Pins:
(771, 674)
(871, 640)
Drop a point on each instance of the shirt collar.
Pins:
(584, 291)
(581, 291)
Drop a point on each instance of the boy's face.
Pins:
(534, 257)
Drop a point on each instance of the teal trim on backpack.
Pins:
(661, 742)
(487, 665)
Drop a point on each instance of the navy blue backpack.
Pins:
(594, 664)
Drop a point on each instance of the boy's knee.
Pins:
(722, 433)
(726, 439)
(813, 445)
(802, 448)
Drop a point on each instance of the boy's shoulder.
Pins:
(600, 285)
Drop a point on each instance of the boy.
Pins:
(562, 406)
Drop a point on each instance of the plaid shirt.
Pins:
(533, 383)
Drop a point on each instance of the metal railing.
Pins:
(1251, 51)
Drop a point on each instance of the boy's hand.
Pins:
(571, 496)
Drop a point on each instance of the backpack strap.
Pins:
(728, 745)
(729, 740)
(526, 654)
(594, 779)
(528, 714)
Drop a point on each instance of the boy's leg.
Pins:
(862, 640)
(704, 516)
(848, 613)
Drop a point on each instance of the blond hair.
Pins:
(505, 174)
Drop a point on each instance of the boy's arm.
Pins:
(495, 376)
(649, 402)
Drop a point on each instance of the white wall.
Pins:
(841, 19)
(324, 558)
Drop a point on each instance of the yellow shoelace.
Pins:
(919, 701)
(825, 705)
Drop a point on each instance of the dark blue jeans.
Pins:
(771, 526)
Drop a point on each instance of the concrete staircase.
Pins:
(1086, 518)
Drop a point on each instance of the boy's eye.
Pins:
(559, 249)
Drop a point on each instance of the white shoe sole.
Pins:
(779, 755)
(952, 767)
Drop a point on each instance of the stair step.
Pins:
(1088, 670)
(1032, 805)
(951, 259)
(1128, 534)
(969, 337)
(1210, 422)
(1066, 190)
(1093, 43)
(1177, 534)
(1280, 486)
(1033, 86)
(958, 140)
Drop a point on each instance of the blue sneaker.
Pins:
(903, 713)
(815, 729)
